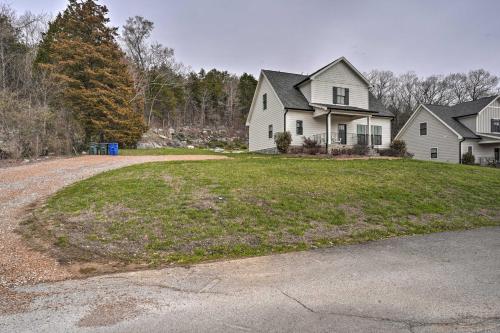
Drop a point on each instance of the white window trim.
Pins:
(426, 128)
(338, 95)
(437, 153)
(493, 119)
(373, 134)
(302, 126)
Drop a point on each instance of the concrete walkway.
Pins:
(447, 282)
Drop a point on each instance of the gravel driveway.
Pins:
(22, 186)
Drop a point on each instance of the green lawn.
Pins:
(166, 151)
(184, 212)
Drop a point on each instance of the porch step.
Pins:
(372, 152)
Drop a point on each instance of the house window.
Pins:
(423, 128)
(495, 125)
(270, 131)
(376, 135)
(264, 102)
(469, 149)
(340, 96)
(362, 134)
(434, 153)
(300, 128)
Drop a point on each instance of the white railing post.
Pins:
(369, 131)
(329, 128)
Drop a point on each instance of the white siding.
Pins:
(317, 125)
(438, 135)
(352, 126)
(479, 150)
(305, 89)
(258, 127)
(469, 122)
(377, 121)
(485, 116)
(311, 125)
(339, 75)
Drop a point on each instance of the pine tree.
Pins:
(246, 89)
(80, 50)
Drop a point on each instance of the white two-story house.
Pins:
(444, 133)
(332, 105)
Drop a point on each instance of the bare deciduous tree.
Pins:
(480, 83)
(403, 93)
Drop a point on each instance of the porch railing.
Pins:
(349, 139)
(489, 160)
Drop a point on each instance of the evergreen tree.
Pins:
(246, 89)
(80, 50)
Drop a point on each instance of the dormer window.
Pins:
(340, 96)
(495, 125)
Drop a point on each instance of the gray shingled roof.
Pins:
(449, 114)
(291, 97)
(375, 104)
(472, 107)
(443, 112)
(283, 83)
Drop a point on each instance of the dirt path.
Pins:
(22, 186)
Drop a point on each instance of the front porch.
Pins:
(346, 127)
(342, 139)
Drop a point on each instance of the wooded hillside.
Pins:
(77, 79)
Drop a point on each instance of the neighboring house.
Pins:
(444, 133)
(332, 105)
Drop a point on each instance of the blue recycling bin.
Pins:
(113, 148)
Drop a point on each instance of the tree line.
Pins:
(401, 94)
(75, 79)
(173, 95)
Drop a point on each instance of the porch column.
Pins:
(329, 128)
(368, 119)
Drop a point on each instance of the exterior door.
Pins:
(343, 134)
(497, 154)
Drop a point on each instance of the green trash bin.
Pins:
(103, 149)
(93, 149)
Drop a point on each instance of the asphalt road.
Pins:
(447, 282)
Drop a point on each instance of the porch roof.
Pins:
(487, 138)
(344, 108)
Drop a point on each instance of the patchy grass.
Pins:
(186, 212)
(167, 151)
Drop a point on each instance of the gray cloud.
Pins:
(428, 37)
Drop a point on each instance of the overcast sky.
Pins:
(428, 37)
